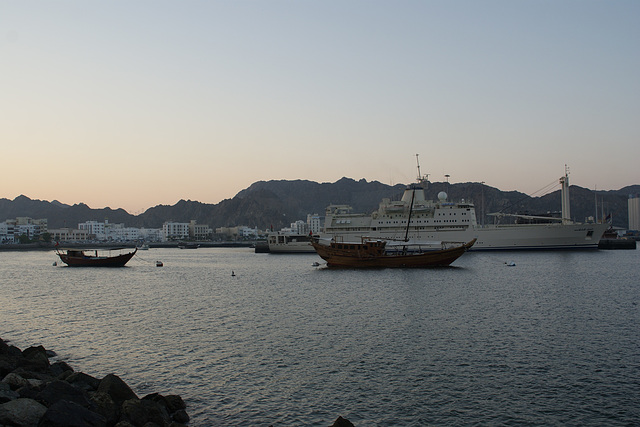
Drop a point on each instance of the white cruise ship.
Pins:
(443, 221)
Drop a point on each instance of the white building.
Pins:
(247, 232)
(95, 228)
(199, 231)
(175, 230)
(12, 229)
(7, 232)
(151, 234)
(634, 211)
(315, 223)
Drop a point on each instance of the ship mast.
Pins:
(421, 178)
(566, 209)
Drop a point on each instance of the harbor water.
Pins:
(551, 340)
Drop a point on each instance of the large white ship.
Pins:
(415, 219)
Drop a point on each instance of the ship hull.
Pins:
(539, 236)
(348, 255)
(288, 243)
(95, 261)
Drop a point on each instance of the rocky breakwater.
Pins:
(35, 392)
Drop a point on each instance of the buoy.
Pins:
(55, 263)
(233, 274)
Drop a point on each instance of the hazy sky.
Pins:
(137, 103)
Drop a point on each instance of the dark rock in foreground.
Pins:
(34, 392)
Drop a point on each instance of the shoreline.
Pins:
(41, 246)
(34, 391)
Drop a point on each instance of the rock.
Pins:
(69, 414)
(4, 347)
(36, 393)
(61, 390)
(175, 403)
(342, 422)
(21, 412)
(15, 381)
(59, 368)
(180, 416)
(6, 394)
(140, 412)
(14, 351)
(116, 388)
(37, 356)
(83, 381)
(172, 404)
(105, 406)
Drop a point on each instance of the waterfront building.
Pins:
(175, 230)
(67, 234)
(150, 234)
(95, 229)
(7, 233)
(199, 231)
(12, 229)
(298, 227)
(315, 223)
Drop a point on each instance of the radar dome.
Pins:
(442, 196)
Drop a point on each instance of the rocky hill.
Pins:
(276, 204)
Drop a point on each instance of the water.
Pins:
(553, 340)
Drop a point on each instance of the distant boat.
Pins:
(288, 242)
(376, 253)
(143, 247)
(159, 264)
(188, 245)
(95, 257)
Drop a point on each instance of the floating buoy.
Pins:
(159, 264)
(55, 263)
(233, 274)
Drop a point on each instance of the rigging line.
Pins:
(546, 190)
(142, 259)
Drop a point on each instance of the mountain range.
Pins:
(276, 204)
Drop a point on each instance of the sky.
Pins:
(131, 104)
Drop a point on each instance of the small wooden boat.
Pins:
(376, 253)
(188, 245)
(95, 257)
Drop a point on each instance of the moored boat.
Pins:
(371, 253)
(188, 245)
(285, 242)
(113, 257)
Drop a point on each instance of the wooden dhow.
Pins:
(95, 257)
(371, 253)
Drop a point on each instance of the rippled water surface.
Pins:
(553, 340)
